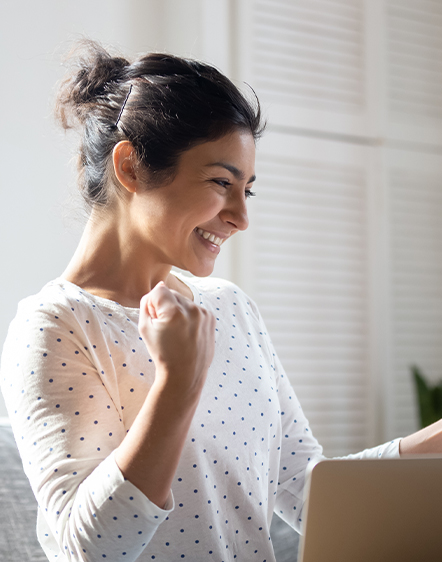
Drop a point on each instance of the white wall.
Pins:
(41, 216)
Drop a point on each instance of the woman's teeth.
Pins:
(210, 237)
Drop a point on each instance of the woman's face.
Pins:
(185, 223)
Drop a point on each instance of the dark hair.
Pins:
(174, 104)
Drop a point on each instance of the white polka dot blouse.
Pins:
(74, 375)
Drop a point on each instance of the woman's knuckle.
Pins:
(195, 311)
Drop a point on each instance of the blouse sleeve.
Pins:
(299, 447)
(67, 427)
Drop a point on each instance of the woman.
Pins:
(163, 429)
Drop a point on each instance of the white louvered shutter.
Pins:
(307, 60)
(415, 216)
(414, 71)
(413, 178)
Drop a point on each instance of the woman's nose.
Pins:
(235, 212)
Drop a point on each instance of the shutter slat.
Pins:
(415, 60)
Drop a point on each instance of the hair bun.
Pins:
(92, 70)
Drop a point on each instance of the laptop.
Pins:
(383, 510)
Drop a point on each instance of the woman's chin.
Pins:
(202, 269)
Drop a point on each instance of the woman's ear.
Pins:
(125, 166)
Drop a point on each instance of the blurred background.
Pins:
(344, 251)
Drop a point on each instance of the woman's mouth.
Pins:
(210, 237)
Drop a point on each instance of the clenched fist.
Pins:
(180, 337)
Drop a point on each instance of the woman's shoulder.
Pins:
(57, 296)
(218, 289)
(59, 303)
(38, 317)
(63, 297)
(211, 285)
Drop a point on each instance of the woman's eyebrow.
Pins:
(239, 175)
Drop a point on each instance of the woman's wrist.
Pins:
(176, 386)
(425, 441)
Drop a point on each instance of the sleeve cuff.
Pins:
(151, 510)
(391, 449)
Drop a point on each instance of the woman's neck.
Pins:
(107, 264)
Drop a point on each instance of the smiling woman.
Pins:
(152, 415)
(166, 122)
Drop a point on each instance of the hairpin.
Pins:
(123, 106)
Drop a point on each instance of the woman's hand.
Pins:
(180, 337)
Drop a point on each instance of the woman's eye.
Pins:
(226, 183)
(223, 183)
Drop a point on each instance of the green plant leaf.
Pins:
(429, 398)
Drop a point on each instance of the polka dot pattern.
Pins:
(75, 374)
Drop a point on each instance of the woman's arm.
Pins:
(180, 337)
(67, 422)
(69, 428)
